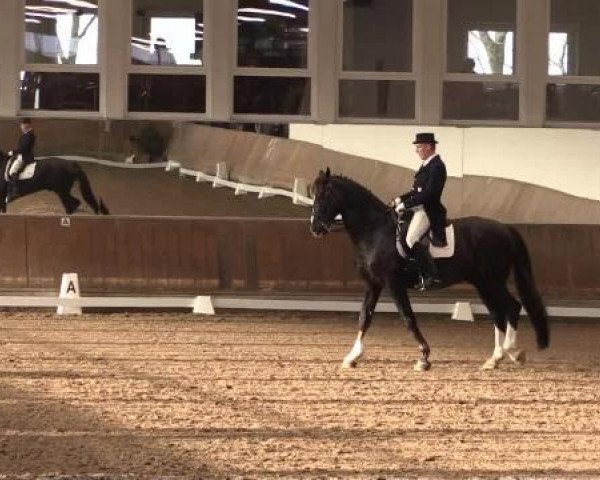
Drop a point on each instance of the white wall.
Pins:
(566, 160)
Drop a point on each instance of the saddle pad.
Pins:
(27, 173)
(436, 252)
(448, 250)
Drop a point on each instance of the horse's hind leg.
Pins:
(510, 347)
(496, 304)
(69, 202)
(364, 322)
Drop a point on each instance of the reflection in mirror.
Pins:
(156, 168)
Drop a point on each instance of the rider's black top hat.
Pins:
(425, 138)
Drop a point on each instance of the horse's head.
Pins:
(327, 203)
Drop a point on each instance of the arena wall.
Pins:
(247, 256)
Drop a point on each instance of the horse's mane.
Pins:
(354, 188)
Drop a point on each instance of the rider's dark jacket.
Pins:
(25, 147)
(427, 191)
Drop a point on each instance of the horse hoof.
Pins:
(422, 365)
(491, 364)
(518, 357)
(346, 365)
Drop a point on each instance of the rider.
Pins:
(425, 200)
(24, 152)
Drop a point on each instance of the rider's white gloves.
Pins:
(10, 153)
(399, 206)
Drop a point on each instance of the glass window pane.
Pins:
(167, 33)
(573, 102)
(272, 33)
(378, 35)
(481, 101)
(481, 36)
(377, 98)
(167, 93)
(60, 32)
(272, 95)
(59, 91)
(574, 38)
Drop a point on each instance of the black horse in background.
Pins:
(485, 253)
(56, 175)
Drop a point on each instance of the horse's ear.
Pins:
(327, 173)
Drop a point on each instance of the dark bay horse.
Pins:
(485, 253)
(56, 175)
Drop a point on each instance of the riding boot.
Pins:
(12, 191)
(427, 267)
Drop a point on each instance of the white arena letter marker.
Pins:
(69, 288)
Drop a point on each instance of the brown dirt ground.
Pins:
(261, 395)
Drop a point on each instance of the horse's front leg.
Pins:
(400, 296)
(498, 354)
(364, 322)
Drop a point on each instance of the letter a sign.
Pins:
(71, 287)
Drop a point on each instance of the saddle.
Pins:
(436, 248)
(27, 173)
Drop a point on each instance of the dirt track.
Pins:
(260, 396)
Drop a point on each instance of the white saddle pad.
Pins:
(27, 173)
(436, 252)
(448, 250)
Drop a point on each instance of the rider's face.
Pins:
(424, 150)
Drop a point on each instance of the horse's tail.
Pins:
(88, 195)
(528, 293)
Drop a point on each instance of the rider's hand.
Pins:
(10, 153)
(400, 207)
(393, 202)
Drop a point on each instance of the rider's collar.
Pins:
(425, 162)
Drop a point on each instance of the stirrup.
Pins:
(425, 285)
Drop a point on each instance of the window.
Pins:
(273, 33)
(378, 36)
(377, 60)
(167, 93)
(60, 91)
(492, 51)
(574, 38)
(481, 36)
(167, 33)
(558, 53)
(60, 32)
(167, 47)
(480, 47)
(61, 54)
(272, 76)
(573, 52)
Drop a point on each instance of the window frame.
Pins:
(342, 74)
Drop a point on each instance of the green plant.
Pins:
(152, 143)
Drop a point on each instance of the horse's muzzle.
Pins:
(318, 228)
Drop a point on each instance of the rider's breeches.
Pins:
(419, 225)
(16, 165)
